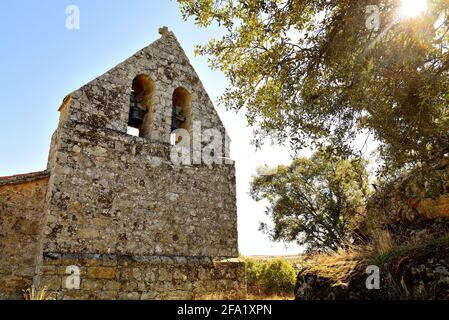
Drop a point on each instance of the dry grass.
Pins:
(383, 242)
(223, 296)
(412, 248)
(337, 265)
(34, 293)
(269, 297)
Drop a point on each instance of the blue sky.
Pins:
(42, 61)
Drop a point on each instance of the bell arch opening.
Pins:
(181, 112)
(141, 109)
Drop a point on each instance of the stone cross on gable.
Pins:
(163, 31)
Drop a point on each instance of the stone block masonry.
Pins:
(111, 277)
(114, 217)
(22, 200)
(112, 199)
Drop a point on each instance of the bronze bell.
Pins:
(135, 114)
(135, 119)
(177, 118)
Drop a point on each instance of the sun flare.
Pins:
(413, 8)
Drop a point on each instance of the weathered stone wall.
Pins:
(21, 215)
(110, 277)
(116, 193)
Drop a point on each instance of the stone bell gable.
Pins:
(165, 74)
(116, 217)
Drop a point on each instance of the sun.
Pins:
(413, 8)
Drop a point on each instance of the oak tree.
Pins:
(316, 201)
(313, 72)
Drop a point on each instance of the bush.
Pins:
(270, 277)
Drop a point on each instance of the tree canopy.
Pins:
(310, 72)
(316, 201)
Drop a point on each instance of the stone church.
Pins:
(112, 217)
